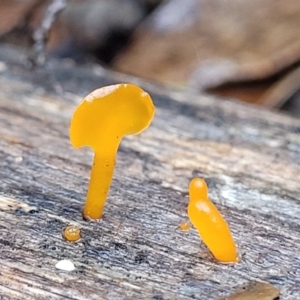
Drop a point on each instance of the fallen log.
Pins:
(249, 157)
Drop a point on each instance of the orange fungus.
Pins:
(100, 121)
(210, 224)
(72, 233)
(184, 226)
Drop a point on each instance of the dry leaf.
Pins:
(255, 291)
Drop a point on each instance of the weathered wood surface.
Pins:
(249, 157)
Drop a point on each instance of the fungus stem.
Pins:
(101, 177)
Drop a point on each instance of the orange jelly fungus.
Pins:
(184, 226)
(72, 233)
(100, 121)
(210, 224)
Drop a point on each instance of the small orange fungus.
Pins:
(184, 226)
(210, 224)
(72, 233)
(100, 121)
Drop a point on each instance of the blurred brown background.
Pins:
(248, 50)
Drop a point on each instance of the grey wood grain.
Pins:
(249, 157)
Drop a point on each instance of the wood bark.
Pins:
(249, 157)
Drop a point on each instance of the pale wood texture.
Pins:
(250, 158)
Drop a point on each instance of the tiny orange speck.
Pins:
(184, 226)
(72, 233)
